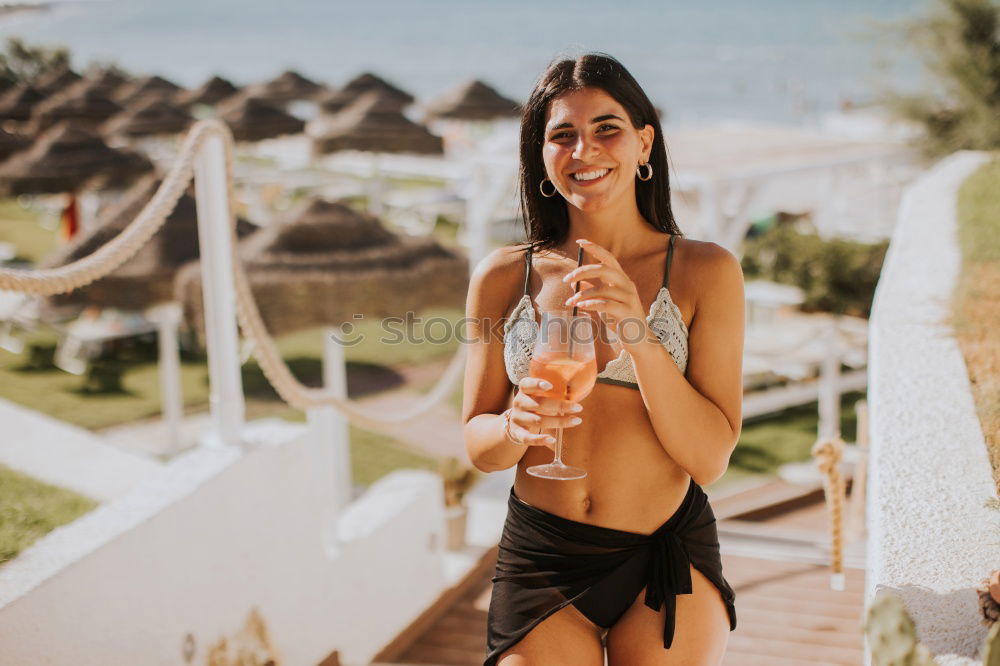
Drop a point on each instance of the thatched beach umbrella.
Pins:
(325, 263)
(155, 86)
(150, 117)
(85, 108)
(56, 81)
(105, 81)
(210, 93)
(17, 103)
(147, 277)
(474, 100)
(11, 143)
(67, 158)
(374, 123)
(286, 87)
(337, 100)
(253, 119)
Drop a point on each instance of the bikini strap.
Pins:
(670, 258)
(527, 267)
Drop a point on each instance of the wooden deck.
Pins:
(787, 614)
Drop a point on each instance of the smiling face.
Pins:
(591, 150)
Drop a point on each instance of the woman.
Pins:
(627, 558)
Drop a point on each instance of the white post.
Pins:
(829, 386)
(477, 218)
(330, 426)
(218, 292)
(856, 504)
(376, 188)
(167, 318)
(710, 210)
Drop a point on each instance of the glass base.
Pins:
(559, 472)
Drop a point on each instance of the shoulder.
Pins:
(502, 264)
(497, 278)
(715, 270)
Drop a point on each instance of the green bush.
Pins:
(958, 42)
(836, 275)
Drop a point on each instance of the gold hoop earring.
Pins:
(649, 172)
(541, 188)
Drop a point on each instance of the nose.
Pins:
(585, 148)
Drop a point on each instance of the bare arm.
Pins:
(487, 390)
(698, 417)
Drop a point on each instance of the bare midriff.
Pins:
(632, 484)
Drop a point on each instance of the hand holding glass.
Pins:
(563, 355)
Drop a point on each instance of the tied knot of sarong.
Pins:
(669, 575)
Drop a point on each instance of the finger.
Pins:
(533, 385)
(601, 254)
(606, 274)
(549, 407)
(595, 304)
(535, 422)
(565, 421)
(542, 406)
(614, 293)
(525, 402)
(531, 439)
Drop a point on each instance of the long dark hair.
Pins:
(546, 220)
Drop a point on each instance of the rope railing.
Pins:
(115, 252)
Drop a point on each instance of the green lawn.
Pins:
(29, 509)
(19, 225)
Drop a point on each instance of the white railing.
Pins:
(180, 542)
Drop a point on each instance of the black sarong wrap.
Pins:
(546, 562)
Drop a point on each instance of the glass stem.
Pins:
(558, 459)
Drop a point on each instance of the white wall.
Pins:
(216, 534)
(931, 539)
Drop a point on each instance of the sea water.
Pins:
(773, 60)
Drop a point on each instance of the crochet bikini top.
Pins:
(664, 318)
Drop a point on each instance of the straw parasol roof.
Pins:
(286, 87)
(337, 100)
(325, 262)
(474, 101)
(254, 119)
(84, 107)
(17, 103)
(105, 81)
(11, 143)
(148, 117)
(375, 123)
(66, 158)
(148, 85)
(148, 276)
(56, 81)
(211, 92)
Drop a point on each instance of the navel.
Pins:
(586, 504)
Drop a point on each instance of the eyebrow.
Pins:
(607, 116)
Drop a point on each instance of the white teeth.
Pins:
(589, 175)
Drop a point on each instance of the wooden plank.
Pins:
(445, 655)
(750, 603)
(402, 642)
(440, 637)
(789, 649)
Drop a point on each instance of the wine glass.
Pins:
(563, 355)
